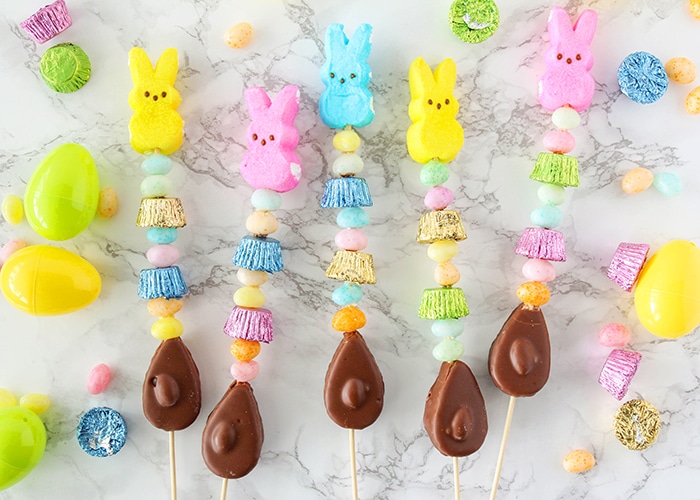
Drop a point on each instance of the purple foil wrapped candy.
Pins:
(617, 373)
(627, 263)
(540, 243)
(250, 324)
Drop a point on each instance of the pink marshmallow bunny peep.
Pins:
(568, 59)
(270, 162)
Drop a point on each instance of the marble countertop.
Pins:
(305, 454)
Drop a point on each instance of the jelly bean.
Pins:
(35, 403)
(162, 307)
(539, 270)
(9, 248)
(442, 250)
(156, 186)
(347, 294)
(551, 194)
(547, 216)
(266, 199)
(695, 8)
(680, 69)
(692, 102)
(566, 118)
(245, 350)
(351, 239)
(447, 327)
(614, 335)
(434, 173)
(348, 164)
(108, 204)
(352, 217)
(248, 277)
(559, 141)
(668, 184)
(637, 180)
(161, 235)
(446, 274)
(99, 379)
(239, 35)
(163, 255)
(12, 210)
(448, 350)
(249, 296)
(438, 198)
(348, 319)
(157, 164)
(578, 461)
(346, 141)
(245, 371)
(261, 223)
(167, 328)
(7, 398)
(533, 293)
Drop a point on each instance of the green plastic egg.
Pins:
(63, 193)
(22, 443)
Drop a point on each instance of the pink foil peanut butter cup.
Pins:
(618, 371)
(540, 243)
(627, 263)
(48, 22)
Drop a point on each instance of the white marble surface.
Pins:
(304, 454)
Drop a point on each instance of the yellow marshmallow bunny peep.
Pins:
(155, 125)
(435, 132)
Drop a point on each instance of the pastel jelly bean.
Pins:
(442, 250)
(438, 198)
(566, 118)
(668, 184)
(167, 328)
(239, 35)
(7, 398)
(245, 371)
(680, 70)
(348, 164)
(533, 293)
(637, 180)
(245, 350)
(164, 307)
(351, 239)
(446, 274)
(108, 204)
(547, 216)
(347, 294)
(448, 350)
(266, 199)
(539, 270)
(578, 461)
(99, 379)
(352, 217)
(249, 277)
(249, 296)
(155, 186)
(9, 248)
(447, 327)
(163, 255)
(157, 164)
(161, 235)
(348, 319)
(551, 194)
(614, 335)
(12, 209)
(434, 173)
(35, 403)
(261, 223)
(692, 102)
(346, 141)
(559, 141)
(695, 8)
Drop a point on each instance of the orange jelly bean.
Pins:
(349, 319)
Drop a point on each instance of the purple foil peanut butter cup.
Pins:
(540, 243)
(617, 373)
(627, 263)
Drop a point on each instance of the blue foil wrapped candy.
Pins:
(162, 282)
(642, 77)
(101, 432)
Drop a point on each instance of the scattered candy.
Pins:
(617, 373)
(627, 263)
(12, 210)
(239, 35)
(681, 70)
(614, 335)
(65, 68)
(642, 77)
(36, 403)
(7, 398)
(695, 8)
(637, 424)
(48, 21)
(101, 432)
(692, 102)
(108, 203)
(99, 379)
(668, 184)
(9, 248)
(473, 21)
(577, 461)
(637, 180)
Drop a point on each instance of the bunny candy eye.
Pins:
(578, 57)
(332, 75)
(272, 137)
(163, 95)
(147, 94)
(430, 102)
(559, 56)
(447, 101)
(255, 137)
(352, 75)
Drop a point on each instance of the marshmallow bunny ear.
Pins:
(420, 78)
(335, 40)
(139, 65)
(361, 42)
(258, 102)
(166, 67)
(585, 26)
(559, 25)
(286, 104)
(446, 75)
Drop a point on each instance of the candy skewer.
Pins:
(455, 473)
(502, 451)
(173, 474)
(224, 487)
(353, 463)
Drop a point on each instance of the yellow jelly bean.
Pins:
(167, 328)
(442, 250)
(695, 8)
(578, 461)
(36, 403)
(249, 296)
(7, 399)
(108, 204)
(261, 223)
(349, 319)
(446, 274)
(239, 35)
(533, 293)
(164, 307)
(245, 350)
(12, 210)
(692, 102)
(346, 141)
(251, 278)
(637, 180)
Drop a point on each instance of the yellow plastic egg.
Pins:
(667, 298)
(46, 281)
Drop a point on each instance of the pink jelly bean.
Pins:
(163, 255)
(614, 335)
(245, 371)
(351, 239)
(438, 198)
(559, 141)
(9, 248)
(99, 378)
(539, 270)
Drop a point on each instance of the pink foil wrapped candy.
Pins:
(250, 324)
(618, 371)
(627, 263)
(540, 243)
(48, 22)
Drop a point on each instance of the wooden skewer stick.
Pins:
(224, 486)
(455, 471)
(173, 476)
(353, 465)
(502, 452)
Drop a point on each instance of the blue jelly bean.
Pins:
(157, 164)
(352, 217)
(668, 184)
(448, 350)
(347, 294)
(547, 216)
(161, 235)
(266, 199)
(447, 327)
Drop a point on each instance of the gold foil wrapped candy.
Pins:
(161, 212)
(440, 225)
(357, 267)
(637, 424)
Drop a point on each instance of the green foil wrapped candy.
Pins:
(65, 68)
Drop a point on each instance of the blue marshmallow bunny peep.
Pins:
(346, 74)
